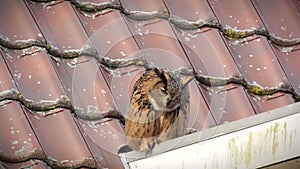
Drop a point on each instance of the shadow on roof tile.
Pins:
(6, 81)
(297, 2)
(33, 164)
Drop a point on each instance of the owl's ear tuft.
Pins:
(185, 80)
(156, 70)
(161, 74)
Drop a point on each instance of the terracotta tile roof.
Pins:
(59, 88)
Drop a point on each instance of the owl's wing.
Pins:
(141, 127)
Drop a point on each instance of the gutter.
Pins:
(258, 141)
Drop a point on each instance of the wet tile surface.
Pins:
(165, 35)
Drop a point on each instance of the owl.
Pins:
(158, 111)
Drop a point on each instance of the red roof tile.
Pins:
(285, 26)
(166, 49)
(83, 80)
(255, 58)
(40, 82)
(211, 59)
(37, 38)
(297, 2)
(6, 81)
(20, 142)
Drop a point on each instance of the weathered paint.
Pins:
(253, 147)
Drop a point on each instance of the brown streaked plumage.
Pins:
(158, 111)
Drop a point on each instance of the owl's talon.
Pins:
(190, 131)
(124, 149)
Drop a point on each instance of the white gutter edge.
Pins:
(247, 124)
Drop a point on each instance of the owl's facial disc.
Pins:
(158, 99)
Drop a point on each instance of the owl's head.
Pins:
(166, 93)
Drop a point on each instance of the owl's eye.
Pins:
(163, 90)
